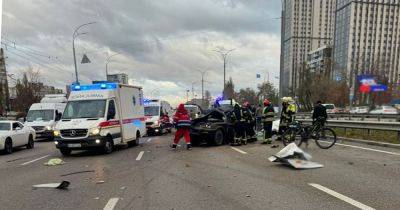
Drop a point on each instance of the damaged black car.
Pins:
(215, 128)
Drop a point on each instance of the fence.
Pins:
(355, 117)
(368, 125)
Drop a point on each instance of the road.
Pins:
(151, 176)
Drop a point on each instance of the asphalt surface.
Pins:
(151, 176)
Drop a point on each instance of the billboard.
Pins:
(369, 84)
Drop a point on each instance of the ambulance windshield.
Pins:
(85, 109)
(152, 111)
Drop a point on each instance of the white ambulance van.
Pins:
(43, 116)
(158, 116)
(100, 116)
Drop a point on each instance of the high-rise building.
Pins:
(320, 60)
(4, 92)
(306, 25)
(118, 78)
(367, 39)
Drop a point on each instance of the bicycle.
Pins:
(324, 137)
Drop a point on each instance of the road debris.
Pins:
(187, 165)
(350, 163)
(100, 182)
(78, 172)
(123, 188)
(96, 198)
(275, 146)
(248, 196)
(209, 185)
(61, 186)
(293, 156)
(54, 162)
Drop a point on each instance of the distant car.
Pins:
(330, 108)
(215, 128)
(359, 110)
(15, 134)
(384, 110)
(194, 110)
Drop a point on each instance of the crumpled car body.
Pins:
(215, 128)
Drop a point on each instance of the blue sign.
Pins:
(258, 76)
(379, 88)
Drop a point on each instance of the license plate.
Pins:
(74, 145)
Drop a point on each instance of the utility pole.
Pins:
(187, 95)
(74, 36)
(108, 60)
(202, 84)
(224, 54)
(193, 89)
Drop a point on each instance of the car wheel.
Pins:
(31, 143)
(65, 151)
(218, 137)
(8, 148)
(108, 146)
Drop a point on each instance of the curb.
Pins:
(382, 144)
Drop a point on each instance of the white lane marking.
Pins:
(238, 150)
(140, 155)
(111, 204)
(26, 163)
(341, 197)
(365, 148)
(148, 140)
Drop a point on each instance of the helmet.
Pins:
(287, 99)
(266, 102)
(246, 104)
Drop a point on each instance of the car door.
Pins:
(17, 134)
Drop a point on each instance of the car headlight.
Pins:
(49, 128)
(56, 133)
(94, 131)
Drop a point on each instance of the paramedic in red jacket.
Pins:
(182, 121)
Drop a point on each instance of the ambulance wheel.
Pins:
(108, 146)
(65, 151)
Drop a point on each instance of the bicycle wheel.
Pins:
(326, 138)
(292, 135)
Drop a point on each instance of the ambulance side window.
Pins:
(111, 110)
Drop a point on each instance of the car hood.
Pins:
(152, 118)
(78, 123)
(40, 123)
(212, 112)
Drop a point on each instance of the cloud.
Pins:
(161, 43)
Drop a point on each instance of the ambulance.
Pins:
(100, 116)
(158, 116)
(43, 116)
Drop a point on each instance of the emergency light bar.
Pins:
(100, 86)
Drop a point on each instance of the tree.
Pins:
(248, 95)
(28, 90)
(267, 91)
(229, 90)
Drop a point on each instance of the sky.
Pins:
(161, 44)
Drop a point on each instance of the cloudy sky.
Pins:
(162, 44)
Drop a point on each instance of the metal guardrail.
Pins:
(368, 125)
(355, 117)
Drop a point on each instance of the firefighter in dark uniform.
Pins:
(249, 121)
(240, 125)
(268, 115)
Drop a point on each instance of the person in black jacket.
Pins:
(319, 113)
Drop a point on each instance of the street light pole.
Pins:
(74, 36)
(224, 54)
(108, 61)
(202, 84)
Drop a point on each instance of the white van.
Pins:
(99, 116)
(43, 116)
(158, 116)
